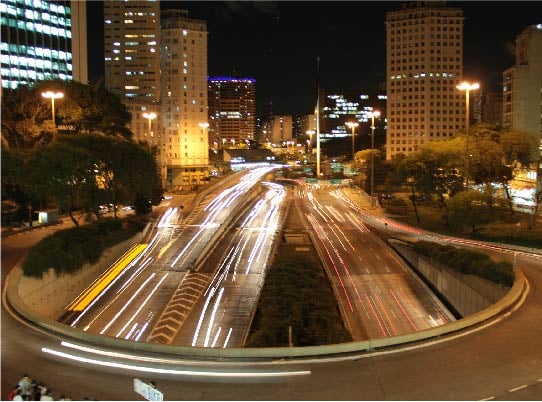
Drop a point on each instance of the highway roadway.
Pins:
(377, 293)
(500, 361)
(134, 305)
(222, 316)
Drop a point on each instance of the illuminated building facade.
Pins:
(42, 40)
(232, 110)
(522, 83)
(281, 130)
(522, 106)
(424, 64)
(185, 144)
(132, 49)
(341, 106)
(132, 62)
(492, 109)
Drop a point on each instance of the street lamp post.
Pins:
(353, 125)
(374, 114)
(53, 95)
(150, 116)
(467, 87)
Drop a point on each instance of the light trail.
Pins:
(89, 294)
(143, 304)
(196, 373)
(127, 304)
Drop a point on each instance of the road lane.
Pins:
(378, 295)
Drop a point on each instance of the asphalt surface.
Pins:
(502, 361)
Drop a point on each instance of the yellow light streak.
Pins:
(90, 293)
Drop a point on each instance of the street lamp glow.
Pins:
(467, 87)
(352, 125)
(52, 95)
(373, 114)
(150, 116)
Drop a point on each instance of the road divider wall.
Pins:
(467, 294)
(49, 295)
(30, 304)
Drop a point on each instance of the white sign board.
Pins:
(147, 391)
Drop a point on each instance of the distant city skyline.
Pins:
(277, 43)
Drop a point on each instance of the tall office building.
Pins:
(522, 105)
(341, 106)
(232, 110)
(185, 144)
(522, 83)
(132, 49)
(424, 64)
(492, 109)
(281, 130)
(132, 62)
(42, 40)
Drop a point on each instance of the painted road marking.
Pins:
(517, 388)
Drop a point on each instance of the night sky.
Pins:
(277, 43)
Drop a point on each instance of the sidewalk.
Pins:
(364, 201)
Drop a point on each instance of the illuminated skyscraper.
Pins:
(132, 62)
(132, 49)
(424, 64)
(340, 106)
(522, 83)
(185, 144)
(43, 40)
(232, 109)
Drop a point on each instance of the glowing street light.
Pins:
(150, 116)
(467, 87)
(373, 114)
(352, 125)
(203, 126)
(53, 95)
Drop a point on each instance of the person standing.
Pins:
(26, 386)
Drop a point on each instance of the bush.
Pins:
(66, 251)
(468, 262)
(297, 294)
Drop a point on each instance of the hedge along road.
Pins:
(500, 360)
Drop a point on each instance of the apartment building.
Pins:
(424, 64)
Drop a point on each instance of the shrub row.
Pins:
(297, 294)
(66, 251)
(468, 262)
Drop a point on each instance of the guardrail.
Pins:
(256, 354)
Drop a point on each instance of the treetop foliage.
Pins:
(27, 118)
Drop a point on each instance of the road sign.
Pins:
(147, 391)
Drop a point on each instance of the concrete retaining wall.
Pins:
(49, 296)
(468, 294)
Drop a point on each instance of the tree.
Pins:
(60, 173)
(126, 171)
(519, 146)
(469, 208)
(27, 119)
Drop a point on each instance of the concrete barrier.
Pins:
(254, 354)
(468, 294)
